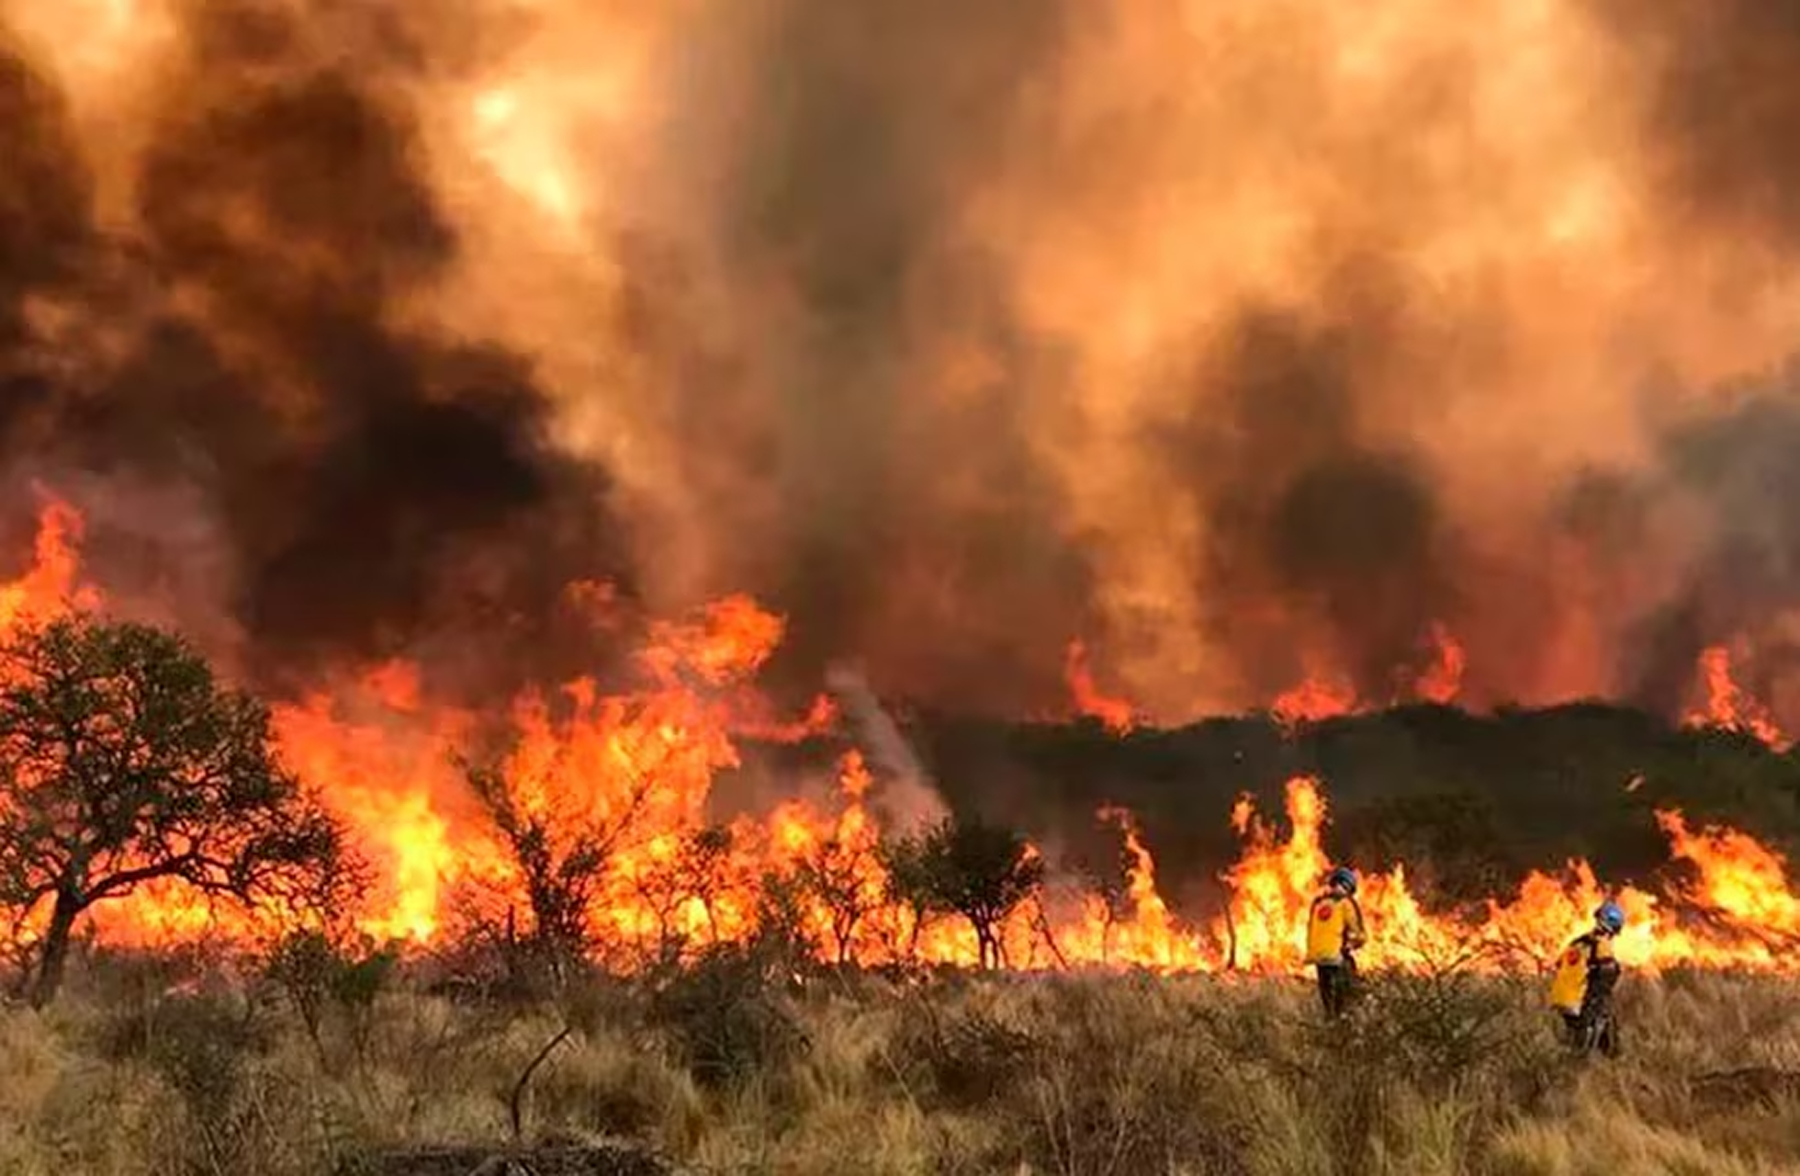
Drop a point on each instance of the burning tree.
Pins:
(845, 878)
(695, 873)
(977, 870)
(560, 871)
(598, 801)
(124, 763)
(908, 887)
(557, 883)
(562, 850)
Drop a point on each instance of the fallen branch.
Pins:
(518, 1090)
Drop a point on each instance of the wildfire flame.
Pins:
(1442, 680)
(1314, 700)
(50, 584)
(1322, 695)
(1728, 706)
(639, 766)
(1115, 713)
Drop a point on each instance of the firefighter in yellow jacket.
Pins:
(1334, 930)
(1581, 988)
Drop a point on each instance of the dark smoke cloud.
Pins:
(1740, 468)
(902, 522)
(44, 209)
(929, 534)
(1326, 540)
(1359, 534)
(375, 484)
(882, 450)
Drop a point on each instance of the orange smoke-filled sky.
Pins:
(1246, 342)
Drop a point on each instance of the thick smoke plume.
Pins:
(370, 480)
(1244, 342)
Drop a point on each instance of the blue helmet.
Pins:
(1343, 876)
(1610, 917)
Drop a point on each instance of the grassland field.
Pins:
(144, 1067)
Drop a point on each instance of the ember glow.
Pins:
(640, 765)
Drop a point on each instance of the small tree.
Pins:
(908, 886)
(694, 874)
(979, 871)
(318, 973)
(560, 874)
(123, 762)
(1110, 882)
(562, 857)
(845, 878)
(702, 870)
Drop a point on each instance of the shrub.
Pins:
(726, 1019)
(964, 1058)
(202, 1048)
(319, 977)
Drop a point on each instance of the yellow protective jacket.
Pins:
(1334, 927)
(1569, 985)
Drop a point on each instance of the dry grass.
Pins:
(1073, 1075)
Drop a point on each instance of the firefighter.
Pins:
(1334, 930)
(1581, 989)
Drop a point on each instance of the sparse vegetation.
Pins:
(323, 1054)
(737, 1066)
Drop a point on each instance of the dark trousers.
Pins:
(1592, 1028)
(1337, 983)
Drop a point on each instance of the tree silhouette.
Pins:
(562, 853)
(844, 877)
(123, 762)
(979, 871)
(908, 887)
(696, 874)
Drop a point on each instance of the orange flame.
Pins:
(1148, 934)
(1728, 706)
(1115, 713)
(637, 769)
(1312, 701)
(50, 586)
(1442, 680)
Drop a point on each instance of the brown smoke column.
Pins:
(1237, 339)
